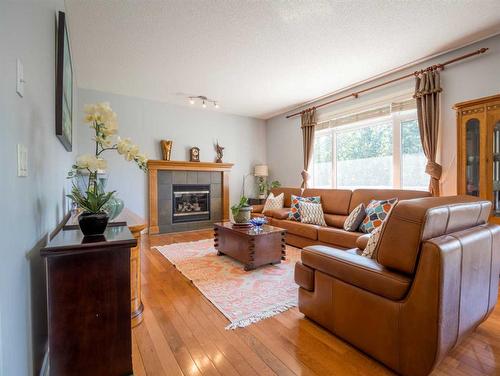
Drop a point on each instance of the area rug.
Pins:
(243, 297)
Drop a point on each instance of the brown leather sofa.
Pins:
(337, 204)
(433, 280)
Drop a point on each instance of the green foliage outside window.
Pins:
(367, 142)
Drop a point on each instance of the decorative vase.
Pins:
(166, 149)
(262, 196)
(93, 223)
(113, 207)
(243, 215)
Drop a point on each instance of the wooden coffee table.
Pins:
(250, 247)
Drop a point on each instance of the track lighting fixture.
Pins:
(204, 100)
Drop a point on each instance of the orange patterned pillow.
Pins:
(376, 212)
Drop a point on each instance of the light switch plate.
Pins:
(22, 160)
(20, 78)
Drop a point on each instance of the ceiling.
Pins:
(260, 58)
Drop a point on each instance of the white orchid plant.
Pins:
(103, 120)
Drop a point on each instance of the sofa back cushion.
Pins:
(288, 192)
(413, 221)
(366, 195)
(333, 201)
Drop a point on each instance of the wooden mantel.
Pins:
(155, 165)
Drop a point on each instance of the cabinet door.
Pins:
(471, 156)
(493, 159)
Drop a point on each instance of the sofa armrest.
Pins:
(278, 213)
(360, 271)
(362, 241)
(304, 276)
(257, 208)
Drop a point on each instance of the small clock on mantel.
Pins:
(194, 154)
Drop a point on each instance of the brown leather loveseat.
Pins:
(433, 280)
(336, 204)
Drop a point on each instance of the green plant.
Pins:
(241, 204)
(94, 200)
(264, 186)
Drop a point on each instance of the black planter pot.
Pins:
(93, 223)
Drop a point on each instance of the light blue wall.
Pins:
(147, 122)
(31, 206)
(469, 79)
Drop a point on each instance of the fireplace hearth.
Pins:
(190, 203)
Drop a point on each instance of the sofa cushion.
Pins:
(362, 241)
(254, 215)
(334, 201)
(339, 237)
(354, 219)
(423, 219)
(257, 208)
(294, 214)
(311, 212)
(273, 202)
(366, 195)
(298, 228)
(376, 212)
(362, 272)
(371, 244)
(278, 213)
(335, 220)
(288, 192)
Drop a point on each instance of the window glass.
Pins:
(383, 151)
(413, 160)
(364, 157)
(322, 160)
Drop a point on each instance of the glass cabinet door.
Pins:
(496, 169)
(472, 134)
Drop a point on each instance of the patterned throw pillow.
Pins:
(311, 212)
(354, 219)
(294, 214)
(369, 250)
(376, 212)
(273, 202)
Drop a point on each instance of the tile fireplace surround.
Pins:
(164, 175)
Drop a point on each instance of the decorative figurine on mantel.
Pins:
(220, 152)
(166, 149)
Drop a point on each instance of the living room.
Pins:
(250, 187)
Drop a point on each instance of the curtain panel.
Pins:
(428, 97)
(308, 120)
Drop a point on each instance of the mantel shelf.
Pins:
(188, 166)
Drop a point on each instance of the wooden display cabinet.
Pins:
(478, 154)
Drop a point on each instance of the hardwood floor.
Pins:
(183, 334)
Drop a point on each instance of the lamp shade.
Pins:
(260, 170)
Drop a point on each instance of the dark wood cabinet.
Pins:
(88, 303)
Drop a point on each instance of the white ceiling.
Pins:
(258, 58)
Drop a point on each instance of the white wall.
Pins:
(32, 206)
(147, 122)
(468, 79)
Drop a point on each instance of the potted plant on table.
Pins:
(241, 211)
(90, 196)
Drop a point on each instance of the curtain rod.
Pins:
(357, 93)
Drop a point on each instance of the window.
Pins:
(376, 149)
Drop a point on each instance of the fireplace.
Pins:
(190, 203)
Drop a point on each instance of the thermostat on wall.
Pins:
(22, 160)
